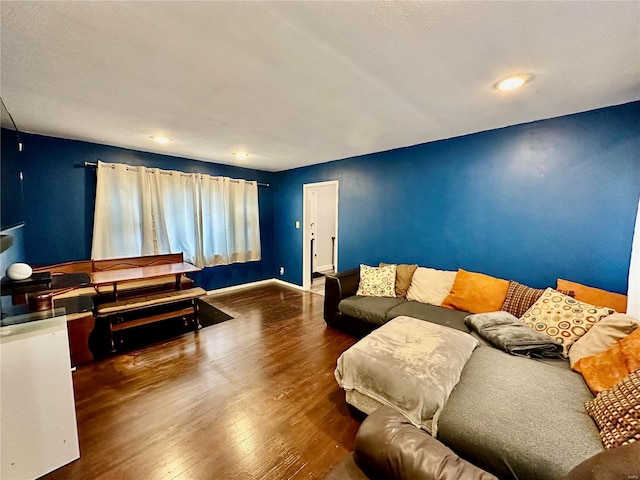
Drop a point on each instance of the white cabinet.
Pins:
(38, 430)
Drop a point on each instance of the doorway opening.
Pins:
(320, 232)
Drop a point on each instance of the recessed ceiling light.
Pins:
(514, 81)
(160, 139)
(240, 155)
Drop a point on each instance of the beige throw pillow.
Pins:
(602, 336)
(404, 273)
(377, 281)
(429, 285)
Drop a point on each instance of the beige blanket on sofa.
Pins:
(409, 365)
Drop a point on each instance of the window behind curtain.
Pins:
(148, 211)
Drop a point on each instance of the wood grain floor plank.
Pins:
(253, 397)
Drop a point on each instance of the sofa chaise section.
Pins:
(518, 417)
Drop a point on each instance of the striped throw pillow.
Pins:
(520, 298)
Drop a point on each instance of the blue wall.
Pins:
(60, 198)
(532, 202)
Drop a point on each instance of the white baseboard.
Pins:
(240, 287)
(255, 284)
(287, 284)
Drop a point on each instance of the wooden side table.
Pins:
(80, 324)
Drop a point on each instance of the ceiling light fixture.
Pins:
(240, 155)
(160, 139)
(513, 82)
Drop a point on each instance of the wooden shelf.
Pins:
(116, 327)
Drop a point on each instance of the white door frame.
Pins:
(312, 219)
(306, 234)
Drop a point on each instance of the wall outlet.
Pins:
(281, 270)
(297, 223)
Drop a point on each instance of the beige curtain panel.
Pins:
(148, 211)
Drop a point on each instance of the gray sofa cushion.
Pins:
(423, 311)
(519, 418)
(369, 309)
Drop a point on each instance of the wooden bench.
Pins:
(138, 311)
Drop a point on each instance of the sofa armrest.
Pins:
(338, 286)
(389, 446)
(612, 463)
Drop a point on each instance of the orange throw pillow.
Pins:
(476, 293)
(595, 296)
(603, 370)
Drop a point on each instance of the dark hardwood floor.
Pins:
(251, 398)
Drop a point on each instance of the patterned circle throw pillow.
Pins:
(563, 318)
(377, 281)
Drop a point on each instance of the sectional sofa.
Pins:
(515, 417)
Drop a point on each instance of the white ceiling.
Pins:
(299, 83)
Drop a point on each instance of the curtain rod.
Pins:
(95, 165)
